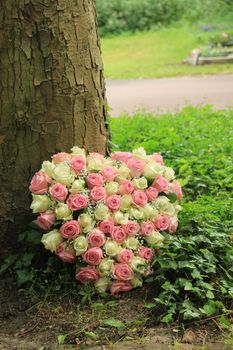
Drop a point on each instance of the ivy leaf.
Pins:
(112, 322)
(210, 308)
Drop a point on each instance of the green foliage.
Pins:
(119, 16)
(194, 272)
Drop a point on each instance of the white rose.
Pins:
(77, 186)
(102, 284)
(177, 208)
(51, 240)
(150, 212)
(76, 151)
(111, 188)
(62, 212)
(154, 238)
(136, 281)
(94, 164)
(111, 247)
(101, 212)
(168, 173)
(131, 243)
(120, 218)
(125, 202)
(106, 265)
(40, 203)
(164, 206)
(80, 245)
(152, 170)
(63, 174)
(47, 168)
(140, 153)
(140, 183)
(137, 214)
(109, 162)
(123, 173)
(86, 222)
(138, 264)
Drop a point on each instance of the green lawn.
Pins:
(156, 54)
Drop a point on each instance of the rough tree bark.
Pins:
(52, 94)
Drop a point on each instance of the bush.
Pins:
(117, 16)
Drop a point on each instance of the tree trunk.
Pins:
(52, 94)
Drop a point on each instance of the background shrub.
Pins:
(117, 16)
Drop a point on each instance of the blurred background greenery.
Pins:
(152, 38)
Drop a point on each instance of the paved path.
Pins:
(169, 94)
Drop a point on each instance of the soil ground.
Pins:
(169, 94)
(43, 324)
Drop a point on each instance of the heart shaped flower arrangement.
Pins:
(106, 214)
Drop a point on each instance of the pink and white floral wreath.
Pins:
(106, 214)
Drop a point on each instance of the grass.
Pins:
(156, 54)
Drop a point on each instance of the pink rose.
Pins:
(122, 272)
(120, 286)
(70, 229)
(125, 256)
(118, 234)
(162, 222)
(147, 227)
(66, 254)
(96, 238)
(113, 202)
(95, 155)
(152, 193)
(108, 173)
(106, 226)
(58, 191)
(176, 188)
(94, 179)
(97, 193)
(131, 228)
(140, 198)
(39, 183)
(77, 201)
(60, 157)
(45, 220)
(161, 183)
(146, 253)
(173, 225)
(121, 156)
(136, 166)
(93, 256)
(157, 158)
(86, 274)
(78, 163)
(126, 187)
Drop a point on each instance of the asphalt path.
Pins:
(169, 94)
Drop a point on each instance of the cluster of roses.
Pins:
(106, 214)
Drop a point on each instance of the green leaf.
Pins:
(210, 308)
(61, 339)
(210, 295)
(150, 305)
(112, 322)
(224, 321)
(172, 197)
(24, 276)
(91, 335)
